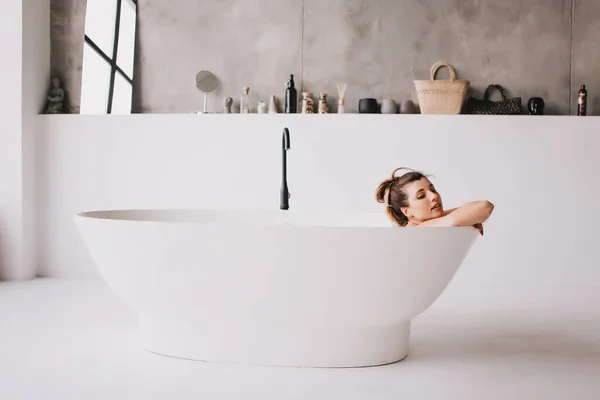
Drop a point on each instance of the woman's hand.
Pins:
(479, 227)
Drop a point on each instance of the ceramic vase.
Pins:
(407, 107)
(273, 105)
(368, 106)
(262, 107)
(535, 106)
(389, 106)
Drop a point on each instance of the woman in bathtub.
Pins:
(412, 200)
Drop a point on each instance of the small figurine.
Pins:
(228, 103)
(56, 97)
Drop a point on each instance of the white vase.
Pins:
(262, 107)
(273, 105)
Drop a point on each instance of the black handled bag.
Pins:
(486, 106)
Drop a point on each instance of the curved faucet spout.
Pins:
(284, 194)
(285, 139)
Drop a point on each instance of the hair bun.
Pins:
(383, 191)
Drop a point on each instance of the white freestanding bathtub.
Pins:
(285, 288)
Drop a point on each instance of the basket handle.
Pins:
(439, 65)
(486, 96)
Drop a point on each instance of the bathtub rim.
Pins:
(101, 215)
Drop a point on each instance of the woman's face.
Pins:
(424, 202)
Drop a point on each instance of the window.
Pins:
(108, 57)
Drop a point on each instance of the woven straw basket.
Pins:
(442, 96)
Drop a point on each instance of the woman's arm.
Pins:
(475, 212)
(446, 212)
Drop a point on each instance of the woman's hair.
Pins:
(391, 193)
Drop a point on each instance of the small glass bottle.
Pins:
(245, 102)
(323, 107)
(582, 101)
(307, 103)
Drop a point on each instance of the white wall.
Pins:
(25, 29)
(10, 140)
(35, 86)
(540, 172)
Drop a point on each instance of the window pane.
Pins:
(100, 18)
(121, 96)
(95, 82)
(126, 50)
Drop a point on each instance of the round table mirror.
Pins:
(206, 82)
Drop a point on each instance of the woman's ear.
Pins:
(404, 210)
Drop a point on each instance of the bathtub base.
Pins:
(274, 345)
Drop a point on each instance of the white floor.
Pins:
(76, 340)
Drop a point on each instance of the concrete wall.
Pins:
(586, 53)
(544, 48)
(67, 24)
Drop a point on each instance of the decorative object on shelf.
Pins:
(442, 96)
(245, 102)
(535, 106)
(227, 105)
(307, 103)
(407, 107)
(56, 97)
(206, 82)
(486, 106)
(262, 107)
(389, 106)
(291, 97)
(368, 106)
(323, 107)
(582, 101)
(341, 95)
(273, 105)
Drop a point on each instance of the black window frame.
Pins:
(112, 61)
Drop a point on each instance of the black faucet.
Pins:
(285, 194)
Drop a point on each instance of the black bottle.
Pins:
(291, 97)
(582, 101)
